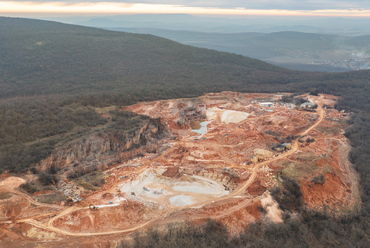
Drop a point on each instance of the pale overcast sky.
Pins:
(255, 4)
(355, 8)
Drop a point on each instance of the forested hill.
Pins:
(97, 68)
(42, 58)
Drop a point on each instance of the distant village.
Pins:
(350, 64)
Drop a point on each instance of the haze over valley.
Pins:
(320, 44)
(184, 130)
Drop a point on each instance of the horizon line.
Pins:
(113, 8)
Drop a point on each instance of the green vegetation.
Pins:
(50, 198)
(29, 130)
(53, 76)
(330, 130)
(102, 68)
(114, 69)
(295, 170)
(288, 195)
(279, 47)
(42, 58)
(34, 186)
(305, 156)
(124, 120)
(92, 181)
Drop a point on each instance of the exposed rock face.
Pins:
(188, 114)
(107, 148)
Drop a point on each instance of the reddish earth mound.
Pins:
(331, 193)
(171, 172)
(103, 219)
(256, 189)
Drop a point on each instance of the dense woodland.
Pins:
(31, 129)
(52, 76)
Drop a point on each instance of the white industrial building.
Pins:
(266, 104)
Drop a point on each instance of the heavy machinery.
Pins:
(305, 144)
(71, 199)
(146, 189)
(93, 207)
(158, 192)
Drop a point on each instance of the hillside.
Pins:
(66, 129)
(293, 50)
(76, 68)
(49, 58)
(53, 76)
(41, 58)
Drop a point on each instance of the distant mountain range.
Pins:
(292, 50)
(339, 26)
(310, 44)
(50, 58)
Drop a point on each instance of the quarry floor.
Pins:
(199, 174)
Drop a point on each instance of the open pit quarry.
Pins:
(217, 156)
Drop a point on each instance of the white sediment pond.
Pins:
(203, 129)
(187, 190)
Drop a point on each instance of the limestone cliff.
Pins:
(107, 148)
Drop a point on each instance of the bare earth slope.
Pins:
(200, 174)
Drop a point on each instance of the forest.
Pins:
(53, 77)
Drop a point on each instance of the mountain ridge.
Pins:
(42, 58)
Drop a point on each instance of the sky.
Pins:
(328, 8)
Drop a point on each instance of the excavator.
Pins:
(93, 207)
(305, 144)
(72, 199)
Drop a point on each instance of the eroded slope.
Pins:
(243, 149)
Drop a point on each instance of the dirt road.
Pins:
(33, 201)
(295, 146)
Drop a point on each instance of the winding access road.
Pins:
(50, 227)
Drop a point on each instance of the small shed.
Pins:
(287, 145)
(308, 105)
